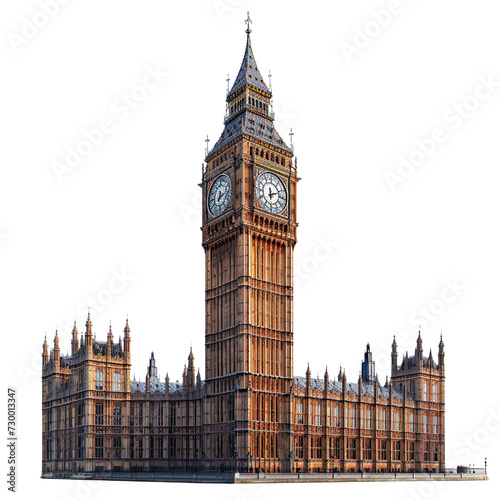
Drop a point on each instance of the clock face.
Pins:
(271, 193)
(220, 196)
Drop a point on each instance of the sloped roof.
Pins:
(249, 72)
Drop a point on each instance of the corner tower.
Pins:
(249, 233)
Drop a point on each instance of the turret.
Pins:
(430, 360)
(152, 370)
(394, 356)
(109, 350)
(368, 366)
(45, 352)
(74, 341)
(167, 385)
(88, 335)
(147, 382)
(57, 351)
(308, 379)
(419, 352)
(326, 379)
(191, 372)
(184, 379)
(441, 356)
(126, 342)
(198, 380)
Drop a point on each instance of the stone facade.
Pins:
(249, 413)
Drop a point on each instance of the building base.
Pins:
(242, 478)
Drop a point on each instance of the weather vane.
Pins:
(248, 21)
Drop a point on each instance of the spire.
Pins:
(419, 349)
(368, 366)
(167, 384)
(45, 351)
(248, 109)
(126, 342)
(394, 356)
(88, 334)
(74, 340)
(441, 354)
(249, 73)
(110, 334)
(152, 369)
(126, 330)
(57, 351)
(430, 360)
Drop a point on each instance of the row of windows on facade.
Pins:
(368, 449)
(99, 380)
(238, 106)
(366, 416)
(263, 446)
(280, 160)
(156, 416)
(54, 450)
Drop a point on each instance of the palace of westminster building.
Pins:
(250, 413)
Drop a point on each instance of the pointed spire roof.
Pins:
(126, 330)
(249, 73)
(88, 325)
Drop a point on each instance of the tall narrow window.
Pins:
(117, 381)
(412, 423)
(117, 414)
(424, 391)
(434, 425)
(99, 414)
(99, 380)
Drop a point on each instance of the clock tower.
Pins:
(249, 234)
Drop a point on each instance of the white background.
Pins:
(133, 204)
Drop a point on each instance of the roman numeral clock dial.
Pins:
(219, 196)
(271, 193)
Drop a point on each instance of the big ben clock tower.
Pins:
(249, 234)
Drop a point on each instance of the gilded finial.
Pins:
(248, 21)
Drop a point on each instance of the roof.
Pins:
(351, 387)
(249, 72)
(247, 122)
(155, 386)
(252, 125)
